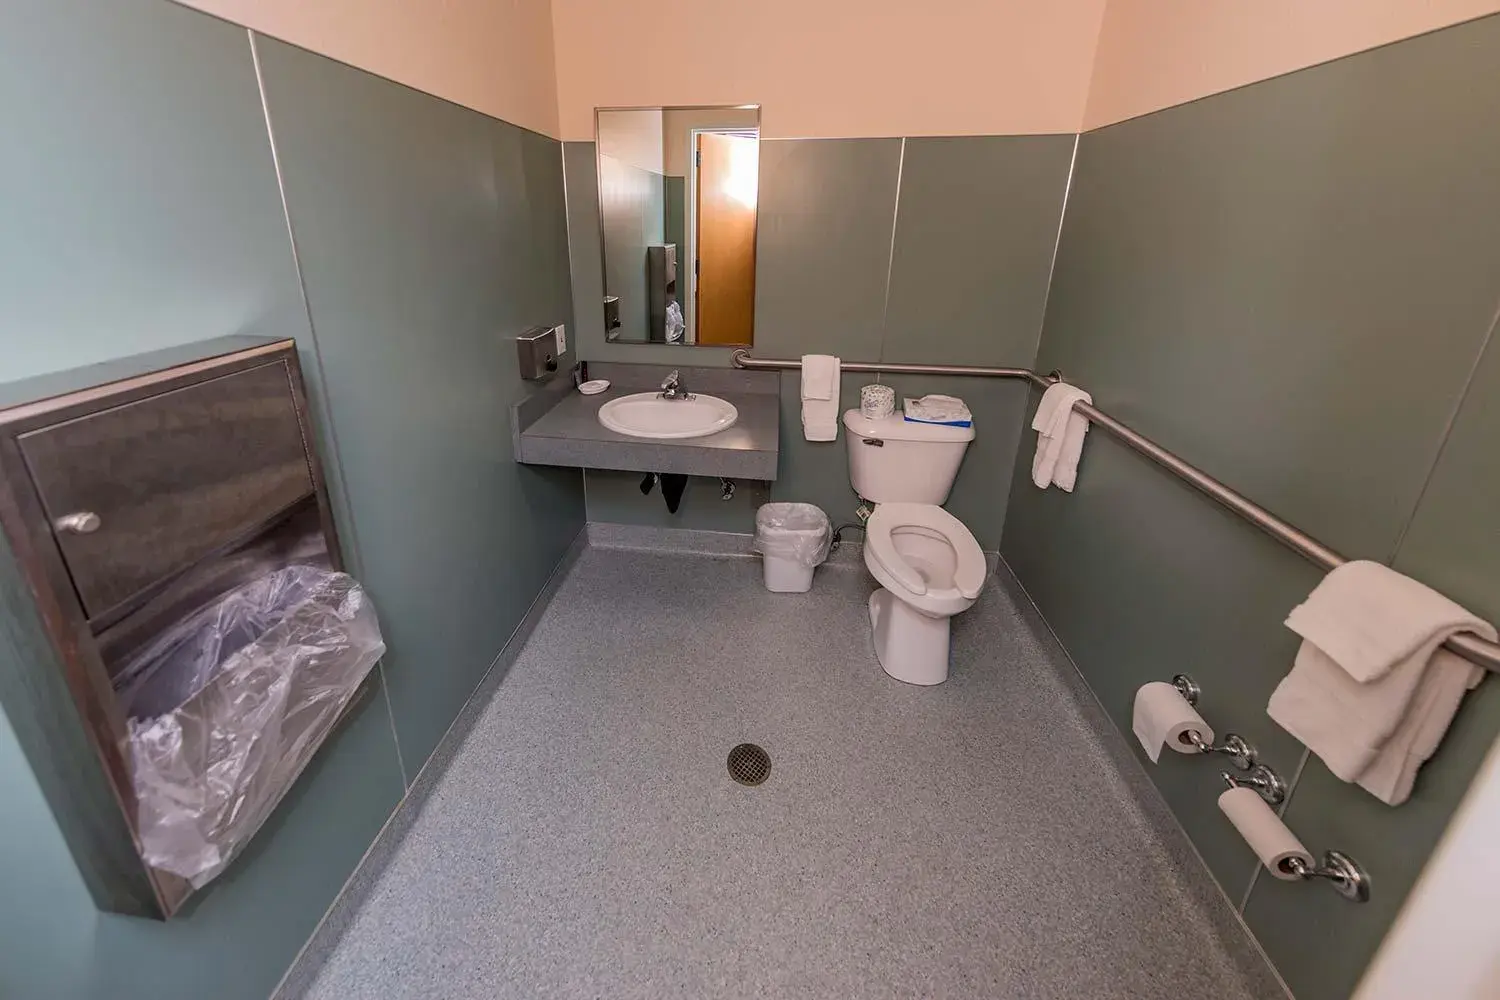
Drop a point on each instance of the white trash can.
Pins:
(792, 539)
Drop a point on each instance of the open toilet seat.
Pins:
(914, 584)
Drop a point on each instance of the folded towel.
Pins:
(1392, 773)
(1060, 436)
(1371, 692)
(1370, 619)
(820, 397)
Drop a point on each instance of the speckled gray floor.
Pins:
(976, 839)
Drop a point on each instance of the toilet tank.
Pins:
(893, 460)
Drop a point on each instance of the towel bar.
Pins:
(1476, 650)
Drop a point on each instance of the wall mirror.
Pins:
(677, 205)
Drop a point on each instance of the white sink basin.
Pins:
(647, 415)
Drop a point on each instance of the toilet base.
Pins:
(911, 646)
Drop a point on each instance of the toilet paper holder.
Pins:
(1267, 782)
(1347, 876)
(1342, 872)
(1239, 751)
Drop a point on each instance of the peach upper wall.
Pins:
(833, 67)
(840, 67)
(634, 137)
(495, 56)
(1153, 54)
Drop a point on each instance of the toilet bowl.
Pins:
(930, 568)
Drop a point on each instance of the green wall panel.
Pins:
(674, 228)
(1287, 283)
(975, 234)
(1143, 578)
(823, 245)
(424, 253)
(237, 936)
(141, 208)
(1453, 543)
(143, 211)
(977, 228)
(980, 493)
(815, 472)
(47, 916)
(1320, 943)
(540, 245)
(633, 210)
(1454, 546)
(616, 497)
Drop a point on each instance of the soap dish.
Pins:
(594, 387)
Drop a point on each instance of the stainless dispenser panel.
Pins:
(138, 492)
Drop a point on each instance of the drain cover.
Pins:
(749, 764)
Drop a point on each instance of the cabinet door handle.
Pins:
(84, 522)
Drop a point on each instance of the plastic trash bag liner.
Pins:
(796, 531)
(227, 707)
(674, 323)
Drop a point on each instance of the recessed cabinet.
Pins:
(132, 496)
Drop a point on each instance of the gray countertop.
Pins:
(568, 432)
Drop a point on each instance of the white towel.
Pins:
(1371, 692)
(1060, 432)
(820, 397)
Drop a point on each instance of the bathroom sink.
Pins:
(647, 415)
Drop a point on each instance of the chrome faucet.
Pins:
(671, 387)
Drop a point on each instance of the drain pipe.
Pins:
(838, 535)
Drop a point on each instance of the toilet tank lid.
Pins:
(897, 428)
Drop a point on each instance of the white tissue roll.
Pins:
(1264, 831)
(876, 402)
(1162, 717)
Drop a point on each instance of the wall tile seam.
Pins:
(1395, 552)
(1445, 437)
(1390, 560)
(890, 261)
(337, 463)
(1062, 218)
(1281, 811)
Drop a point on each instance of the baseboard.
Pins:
(690, 541)
(687, 541)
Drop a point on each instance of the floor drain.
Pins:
(749, 764)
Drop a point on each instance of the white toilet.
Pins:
(929, 566)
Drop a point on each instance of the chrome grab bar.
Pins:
(1480, 651)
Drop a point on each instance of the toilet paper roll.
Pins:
(1162, 717)
(1264, 831)
(876, 402)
